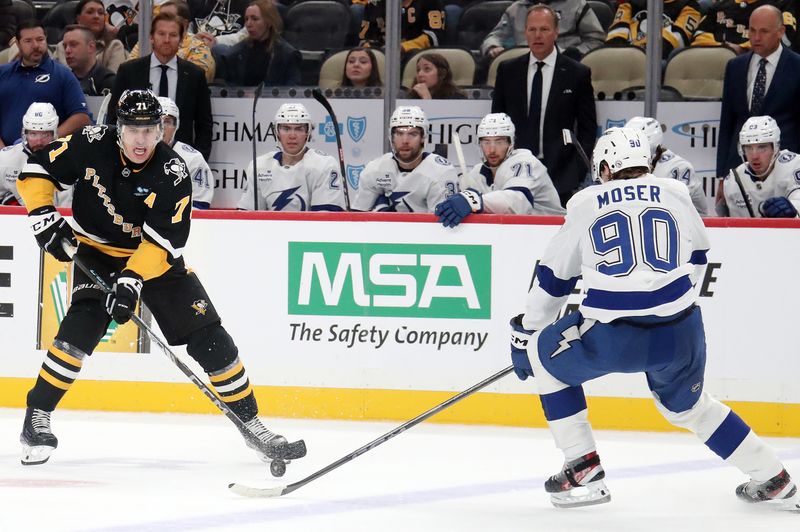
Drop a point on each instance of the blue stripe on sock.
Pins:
(563, 403)
(728, 435)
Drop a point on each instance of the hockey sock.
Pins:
(567, 417)
(233, 387)
(59, 370)
(738, 445)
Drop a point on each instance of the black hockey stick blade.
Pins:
(247, 491)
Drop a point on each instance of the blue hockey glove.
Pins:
(121, 301)
(50, 229)
(520, 339)
(454, 209)
(777, 207)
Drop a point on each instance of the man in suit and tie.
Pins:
(558, 96)
(761, 82)
(170, 76)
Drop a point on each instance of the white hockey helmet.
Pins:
(169, 108)
(496, 125)
(40, 116)
(651, 128)
(409, 116)
(759, 130)
(620, 148)
(293, 113)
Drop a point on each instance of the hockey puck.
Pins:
(277, 468)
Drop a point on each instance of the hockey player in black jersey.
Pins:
(131, 215)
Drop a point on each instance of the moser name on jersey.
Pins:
(356, 279)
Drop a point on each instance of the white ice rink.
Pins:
(143, 472)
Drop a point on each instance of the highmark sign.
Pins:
(398, 280)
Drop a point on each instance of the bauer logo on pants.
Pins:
(403, 280)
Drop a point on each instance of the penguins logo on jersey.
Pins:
(176, 167)
(200, 307)
(94, 133)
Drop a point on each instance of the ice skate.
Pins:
(779, 491)
(37, 440)
(579, 484)
(273, 443)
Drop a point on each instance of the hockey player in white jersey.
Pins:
(639, 245)
(508, 181)
(39, 128)
(766, 185)
(202, 187)
(296, 177)
(667, 163)
(408, 179)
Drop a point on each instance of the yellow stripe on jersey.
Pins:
(228, 374)
(69, 359)
(52, 380)
(148, 260)
(36, 192)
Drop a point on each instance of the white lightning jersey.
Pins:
(312, 184)
(202, 187)
(12, 159)
(520, 185)
(384, 186)
(639, 245)
(672, 165)
(784, 180)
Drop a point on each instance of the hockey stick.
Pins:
(567, 137)
(460, 154)
(254, 177)
(102, 113)
(290, 451)
(744, 194)
(246, 491)
(317, 94)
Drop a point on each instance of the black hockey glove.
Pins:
(520, 339)
(50, 229)
(121, 301)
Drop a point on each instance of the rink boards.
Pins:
(365, 316)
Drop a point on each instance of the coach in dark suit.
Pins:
(168, 75)
(762, 82)
(559, 96)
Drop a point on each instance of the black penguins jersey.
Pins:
(123, 209)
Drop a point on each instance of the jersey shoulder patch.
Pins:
(93, 133)
(7, 148)
(176, 170)
(441, 160)
(185, 147)
(666, 156)
(786, 156)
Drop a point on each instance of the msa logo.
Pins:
(402, 280)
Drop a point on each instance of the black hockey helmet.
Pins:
(138, 108)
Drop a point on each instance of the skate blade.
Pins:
(589, 495)
(35, 454)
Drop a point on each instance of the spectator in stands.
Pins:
(544, 92)
(761, 82)
(264, 55)
(8, 23)
(765, 184)
(434, 80)
(421, 24)
(679, 22)
(214, 18)
(80, 52)
(169, 75)
(361, 69)
(121, 21)
(726, 23)
(192, 48)
(35, 77)
(579, 29)
(110, 51)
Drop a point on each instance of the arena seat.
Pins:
(697, 72)
(462, 65)
(615, 68)
(330, 73)
(477, 20)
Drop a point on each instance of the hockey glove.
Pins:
(455, 208)
(121, 301)
(520, 339)
(777, 207)
(50, 229)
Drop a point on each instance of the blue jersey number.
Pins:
(518, 167)
(613, 239)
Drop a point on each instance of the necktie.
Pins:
(163, 87)
(759, 88)
(535, 106)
